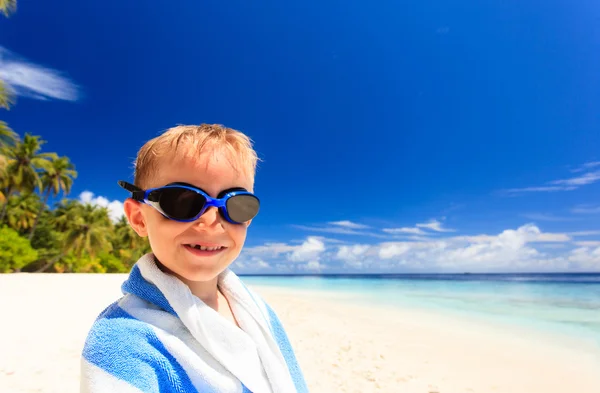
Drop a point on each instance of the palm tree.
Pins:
(7, 7)
(66, 211)
(23, 163)
(87, 230)
(90, 231)
(7, 136)
(58, 177)
(23, 211)
(7, 97)
(124, 236)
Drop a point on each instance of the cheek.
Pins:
(160, 230)
(238, 233)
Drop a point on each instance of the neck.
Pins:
(207, 291)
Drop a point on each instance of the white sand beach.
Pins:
(341, 347)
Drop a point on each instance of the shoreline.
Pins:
(439, 352)
(437, 314)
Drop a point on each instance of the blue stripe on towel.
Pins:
(287, 352)
(245, 389)
(130, 350)
(137, 285)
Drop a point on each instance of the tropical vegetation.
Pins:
(67, 236)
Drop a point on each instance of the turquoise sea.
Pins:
(558, 303)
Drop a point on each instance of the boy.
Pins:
(186, 323)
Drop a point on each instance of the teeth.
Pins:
(204, 248)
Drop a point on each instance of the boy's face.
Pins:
(169, 239)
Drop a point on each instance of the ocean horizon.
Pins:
(587, 276)
(566, 304)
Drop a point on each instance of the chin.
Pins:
(193, 273)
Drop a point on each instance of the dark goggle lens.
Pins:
(181, 203)
(242, 208)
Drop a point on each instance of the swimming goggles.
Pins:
(185, 203)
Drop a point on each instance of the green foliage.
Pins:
(67, 237)
(58, 177)
(46, 240)
(24, 163)
(22, 211)
(7, 136)
(15, 251)
(112, 264)
(7, 97)
(46, 236)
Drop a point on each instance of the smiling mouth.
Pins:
(199, 247)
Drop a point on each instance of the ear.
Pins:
(135, 216)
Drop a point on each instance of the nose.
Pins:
(209, 218)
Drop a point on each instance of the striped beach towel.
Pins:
(159, 337)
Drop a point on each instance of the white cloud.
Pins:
(272, 250)
(262, 264)
(590, 176)
(586, 209)
(314, 266)
(349, 224)
(474, 239)
(354, 254)
(546, 217)
(540, 189)
(525, 248)
(434, 225)
(551, 245)
(509, 250)
(301, 257)
(115, 208)
(586, 178)
(340, 230)
(586, 258)
(588, 243)
(254, 263)
(309, 250)
(414, 231)
(586, 166)
(584, 233)
(35, 81)
(390, 250)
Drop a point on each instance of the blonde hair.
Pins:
(213, 136)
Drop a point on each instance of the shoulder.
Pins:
(129, 350)
(126, 345)
(114, 335)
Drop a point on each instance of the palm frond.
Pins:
(7, 136)
(7, 96)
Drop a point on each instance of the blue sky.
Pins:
(395, 137)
